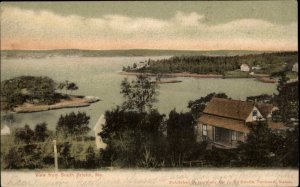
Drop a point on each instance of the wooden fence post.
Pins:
(55, 155)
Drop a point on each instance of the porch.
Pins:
(221, 132)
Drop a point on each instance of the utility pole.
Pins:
(55, 155)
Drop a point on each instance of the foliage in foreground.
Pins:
(266, 148)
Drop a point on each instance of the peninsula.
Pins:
(264, 67)
(26, 94)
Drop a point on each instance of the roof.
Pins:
(236, 125)
(5, 130)
(226, 123)
(244, 65)
(265, 109)
(101, 121)
(235, 109)
(275, 126)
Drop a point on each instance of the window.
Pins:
(254, 113)
(204, 130)
(233, 135)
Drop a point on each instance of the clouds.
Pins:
(192, 19)
(30, 29)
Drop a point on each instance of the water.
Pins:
(98, 76)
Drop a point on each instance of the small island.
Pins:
(26, 94)
(264, 67)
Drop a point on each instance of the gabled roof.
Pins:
(229, 108)
(236, 109)
(101, 121)
(265, 109)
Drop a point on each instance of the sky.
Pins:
(180, 25)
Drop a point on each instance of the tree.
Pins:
(197, 106)
(41, 133)
(263, 98)
(286, 100)
(25, 135)
(262, 148)
(28, 154)
(8, 118)
(61, 86)
(134, 66)
(128, 134)
(73, 124)
(28, 88)
(66, 159)
(90, 158)
(290, 156)
(181, 137)
(139, 94)
(72, 86)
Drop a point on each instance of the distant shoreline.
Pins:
(73, 102)
(183, 74)
(19, 53)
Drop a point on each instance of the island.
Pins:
(264, 67)
(26, 94)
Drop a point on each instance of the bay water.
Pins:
(98, 76)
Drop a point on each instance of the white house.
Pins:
(295, 67)
(98, 128)
(245, 67)
(5, 130)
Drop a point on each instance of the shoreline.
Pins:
(183, 74)
(265, 78)
(165, 82)
(73, 102)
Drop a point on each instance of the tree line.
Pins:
(269, 63)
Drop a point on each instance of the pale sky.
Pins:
(248, 25)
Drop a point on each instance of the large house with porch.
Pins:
(224, 122)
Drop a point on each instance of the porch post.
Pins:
(230, 137)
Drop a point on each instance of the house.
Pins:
(245, 67)
(5, 130)
(225, 122)
(295, 67)
(98, 128)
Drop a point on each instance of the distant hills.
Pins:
(120, 53)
